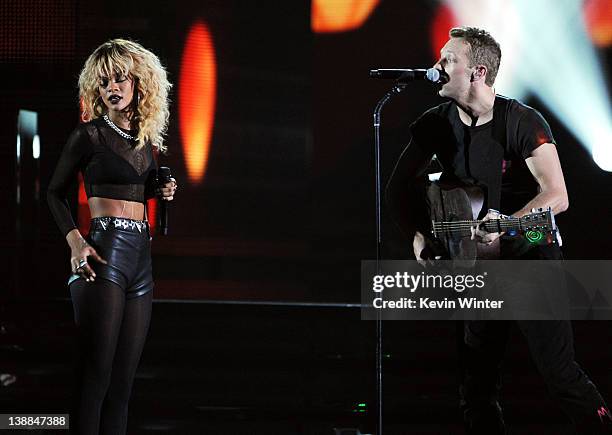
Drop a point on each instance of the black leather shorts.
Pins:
(126, 245)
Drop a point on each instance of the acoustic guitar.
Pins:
(454, 211)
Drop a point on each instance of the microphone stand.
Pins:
(398, 88)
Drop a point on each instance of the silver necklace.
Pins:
(122, 133)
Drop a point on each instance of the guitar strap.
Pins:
(500, 136)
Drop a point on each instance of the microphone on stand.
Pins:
(163, 177)
(433, 75)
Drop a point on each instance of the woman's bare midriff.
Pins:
(100, 207)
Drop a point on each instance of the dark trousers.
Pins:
(481, 348)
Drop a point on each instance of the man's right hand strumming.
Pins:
(427, 250)
(418, 244)
(79, 251)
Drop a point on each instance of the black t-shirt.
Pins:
(112, 167)
(491, 155)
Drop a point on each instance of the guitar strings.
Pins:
(490, 224)
(487, 225)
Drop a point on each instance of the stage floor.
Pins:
(227, 368)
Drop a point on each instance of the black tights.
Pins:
(111, 334)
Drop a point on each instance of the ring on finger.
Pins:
(82, 262)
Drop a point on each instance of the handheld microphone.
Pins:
(433, 75)
(163, 177)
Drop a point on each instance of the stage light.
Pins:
(329, 16)
(152, 215)
(548, 53)
(562, 69)
(444, 20)
(602, 151)
(503, 21)
(27, 130)
(598, 19)
(361, 408)
(36, 146)
(196, 99)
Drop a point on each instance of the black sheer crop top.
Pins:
(111, 165)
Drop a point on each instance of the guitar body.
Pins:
(452, 203)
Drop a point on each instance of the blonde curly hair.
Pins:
(151, 86)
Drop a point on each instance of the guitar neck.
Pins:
(490, 226)
(499, 225)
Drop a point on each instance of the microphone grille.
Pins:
(433, 75)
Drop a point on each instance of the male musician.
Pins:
(507, 149)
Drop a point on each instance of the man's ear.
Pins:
(478, 73)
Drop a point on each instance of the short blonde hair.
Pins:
(484, 49)
(151, 87)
